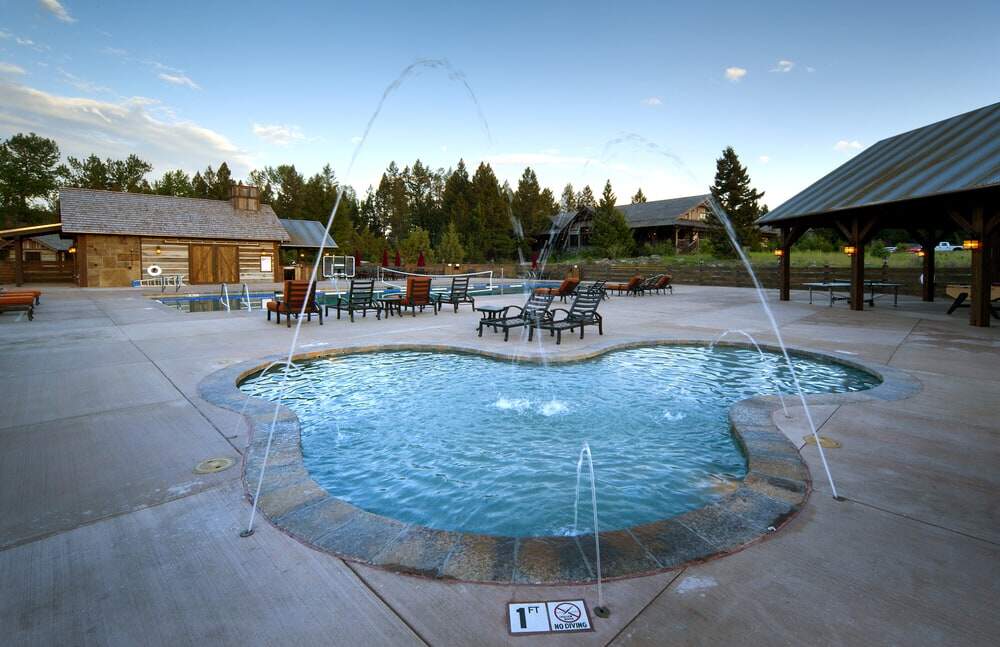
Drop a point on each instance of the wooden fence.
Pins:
(40, 271)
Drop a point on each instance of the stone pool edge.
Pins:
(774, 490)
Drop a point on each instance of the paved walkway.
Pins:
(108, 537)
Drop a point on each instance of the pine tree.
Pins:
(491, 221)
(175, 183)
(568, 200)
(199, 187)
(585, 198)
(450, 249)
(611, 233)
(29, 171)
(456, 205)
(223, 183)
(741, 202)
(638, 197)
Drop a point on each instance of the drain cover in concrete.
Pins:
(213, 465)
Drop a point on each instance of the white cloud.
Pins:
(178, 79)
(23, 42)
(764, 159)
(84, 125)
(844, 145)
(82, 84)
(810, 69)
(278, 134)
(57, 10)
(735, 73)
(652, 102)
(783, 66)
(10, 68)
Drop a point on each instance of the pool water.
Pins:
(467, 443)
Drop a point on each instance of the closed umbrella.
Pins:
(385, 258)
(534, 260)
(357, 260)
(420, 260)
(398, 261)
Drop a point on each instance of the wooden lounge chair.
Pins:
(657, 283)
(18, 303)
(459, 293)
(581, 314)
(360, 297)
(534, 312)
(632, 287)
(418, 295)
(35, 294)
(295, 294)
(565, 289)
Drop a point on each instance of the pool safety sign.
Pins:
(548, 617)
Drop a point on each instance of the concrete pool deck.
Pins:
(109, 537)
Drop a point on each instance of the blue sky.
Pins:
(796, 88)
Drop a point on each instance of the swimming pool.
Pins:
(467, 443)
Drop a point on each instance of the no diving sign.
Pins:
(546, 617)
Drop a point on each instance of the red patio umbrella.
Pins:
(534, 260)
(385, 258)
(357, 260)
(398, 261)
(420, 260)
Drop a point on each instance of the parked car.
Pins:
(945, 246)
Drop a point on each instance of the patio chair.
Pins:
(582, 313)
(565, 289)
(418, 295)
(632, 287)
(647, 285)
(663, 283)
(534, 312)
(294, 295)
(35, 294)
(459, 293)
(18, 303)
(361, 296)
(599, 288)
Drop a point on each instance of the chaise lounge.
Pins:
(35, 294)
(534, 312)
(360, 297)
(18, 303)
(418, 295)
(632, 287)
(565, 289)
(581, 314)
(294, 296)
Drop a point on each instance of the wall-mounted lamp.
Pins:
(72, 250)
(972, 244)
(921, 253)
(779, 252)
(158, 250)
(850, 250)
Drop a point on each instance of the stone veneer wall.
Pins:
(110, 261)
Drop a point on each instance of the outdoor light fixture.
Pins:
(72, 250)
(779, 253)
(158, 250)
(921, 253)
(972, 244)
(850, 250)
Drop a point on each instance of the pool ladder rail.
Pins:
(244, 297)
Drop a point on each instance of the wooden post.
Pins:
(980, 311)
(18, 261)
(857, 272)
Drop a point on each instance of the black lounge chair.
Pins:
(581, 314)
(534, 312)
(459, 294)
(360, 297)
(599, 288)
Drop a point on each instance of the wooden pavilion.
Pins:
(932, 181)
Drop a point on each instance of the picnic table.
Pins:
(876, 289)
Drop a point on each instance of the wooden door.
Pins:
(200, 264)
(227, 264)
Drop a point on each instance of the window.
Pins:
(32, 257)
(266, 263)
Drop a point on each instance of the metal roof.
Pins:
(306, 233)
(661, 213)
(957, 154)
(54, 242)
(89, 211)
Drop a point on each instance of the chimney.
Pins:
(244, 197)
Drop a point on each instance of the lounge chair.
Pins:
(534, 312)
(360, 297)
(459, 293)
(663, 283)
(582, 313)
(35, 294)
(599, 288)
(632, 287)
(565, 289)
(418, 295)
(295, 294)
(960, 293)
(18, 303)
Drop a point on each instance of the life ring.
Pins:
(154, 270)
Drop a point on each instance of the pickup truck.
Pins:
(947, 247)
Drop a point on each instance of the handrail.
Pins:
(224, 297)
(245, 298)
